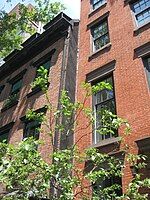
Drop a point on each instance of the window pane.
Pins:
(1, 88)
(100, 35)
(140, 5)
(98, 3)
(4, 136)
(100, 30)
(31, 129)
(143, 17)
(100, 42)
(104, 100)
(46, 65)
(147, 69)
(141, 8)
(105, 182)
(16, 86)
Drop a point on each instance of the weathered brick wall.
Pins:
(35, 101)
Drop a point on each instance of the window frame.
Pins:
(93, 27)
(146, 68)
(41, 64)
(94, 104)
(135, 14)
(2, 88)
(30, 124)
(26, 121)
(6, 129)
(93, 4)
(18, 89)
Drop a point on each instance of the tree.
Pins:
(71, 174)
(11, 25)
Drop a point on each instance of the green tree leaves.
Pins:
(12, 26)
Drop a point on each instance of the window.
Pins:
(97, 3)
(108, 182)
(16, 86)
(1, 88)
(147, 69)
(141, 9)
(32, 129)
(104, 99)
(46, 65)
(100, 35)
(4, 136)
(14, 94)
(4, 132)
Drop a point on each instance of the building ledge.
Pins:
(34, 91)
(99, 51)
(143, 143)
(141, 28)
(97, 9)
(106, 142)
(9, 106)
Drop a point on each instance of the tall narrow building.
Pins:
(56, 50)
(115, 48)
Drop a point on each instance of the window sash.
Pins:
(100, 35)
(4, 136)
(108, 182)
(147, 69)
(141, 9)
(98, 107)
(31, 129)
(97, 3)
(103, 99)
(140, 6)
(46, 65)
(16, 87)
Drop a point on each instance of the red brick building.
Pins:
(115, 47)
(53, 49)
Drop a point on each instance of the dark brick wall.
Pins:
(38, 100)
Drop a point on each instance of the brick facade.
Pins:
(128, 45)
(58, 43)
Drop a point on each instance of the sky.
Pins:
(72, 6)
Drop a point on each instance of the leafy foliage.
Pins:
(70, 173)
(13, 25)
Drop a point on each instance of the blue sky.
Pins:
(73, 6)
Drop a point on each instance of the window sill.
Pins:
(9, 106)
(107, 46)
(141, 28)
(106, 142)
(97, 9)
(34, 91)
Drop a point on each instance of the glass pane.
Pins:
(141, 5)
(147, 70)
(100, 30)
(46, 65)
(4, 136)
(143, 17)
(109, 105)
(31, 129)
(98, 3)
(16, 86)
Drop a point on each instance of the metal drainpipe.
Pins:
(62, 81)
